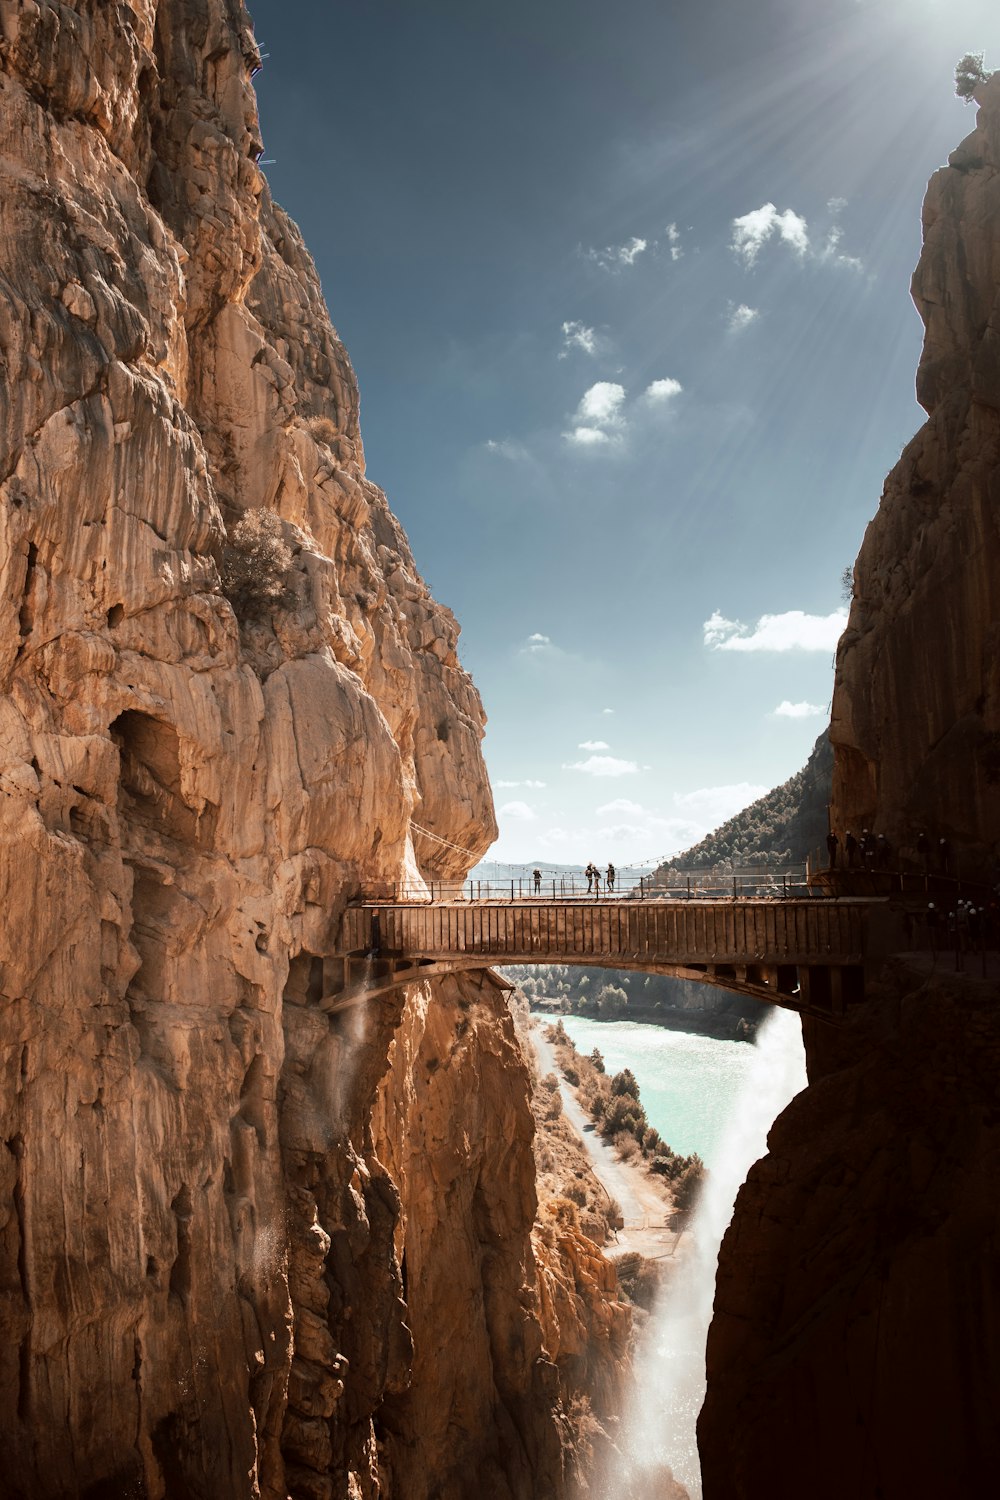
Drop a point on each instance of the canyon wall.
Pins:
(916, 704)
(206, 1271)
(854, 1345)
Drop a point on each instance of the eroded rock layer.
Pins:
(200, 1282)
(916, 705)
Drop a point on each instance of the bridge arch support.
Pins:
(807, 956)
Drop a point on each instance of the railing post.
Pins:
(642, 891)
(553, 890)
(512, 890)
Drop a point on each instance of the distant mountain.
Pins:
(782, 827)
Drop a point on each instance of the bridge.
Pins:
(808, 955)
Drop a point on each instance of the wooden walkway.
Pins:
(807, 955)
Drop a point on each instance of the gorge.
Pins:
(252, 1249)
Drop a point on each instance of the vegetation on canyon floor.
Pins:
(615, 1107)
(625, 995)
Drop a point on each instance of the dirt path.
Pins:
(644, 1203)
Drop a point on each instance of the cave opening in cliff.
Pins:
(150, 791)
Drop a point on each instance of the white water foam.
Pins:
(659, 1430)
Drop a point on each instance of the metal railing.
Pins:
(699, 886)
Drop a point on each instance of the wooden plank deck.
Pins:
(625, 934)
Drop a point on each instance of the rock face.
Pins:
(200, 1282)
(916, 705)
(855, 1347)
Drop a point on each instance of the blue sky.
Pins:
(626, 290)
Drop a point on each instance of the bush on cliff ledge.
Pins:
(255, 563)
(969, 74)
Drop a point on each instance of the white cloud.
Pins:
(621, 805)
(599, 411)
(601, 405)
(587, 437)
(713, 805)
(674, 241)
(741, 317)
(537, 644)
(593, 745)
(506, 783)
(831, 251)
(660, 391)
(752, 231)
(578, 336)
(507, 448)
(615, 258)
(535, 784)
(792, 631)
(603, 765)
(607, 710)
(786, 710)
(527, 782)
(519, 811)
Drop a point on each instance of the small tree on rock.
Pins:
(969, 74)
(255, 564)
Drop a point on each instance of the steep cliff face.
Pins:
(916, 705)
(199, 1280)
(855, 1346)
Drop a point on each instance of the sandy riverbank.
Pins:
(646, 1201)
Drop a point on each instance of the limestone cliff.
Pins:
(855, 1345)
(200, 1291)
(916, 705)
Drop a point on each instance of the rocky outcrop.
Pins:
(215, 1279)
(854, 1344)
(916, 706)
(455, 1129)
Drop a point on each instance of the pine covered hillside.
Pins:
(779, 828)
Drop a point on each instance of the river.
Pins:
(688, 1083)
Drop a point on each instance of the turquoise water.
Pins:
(687, 1083)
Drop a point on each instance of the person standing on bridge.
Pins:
(590, 872)
(611, 879)
(924, 850)
(832, 845)
(536, 876)
(597, 881)
(850, 849)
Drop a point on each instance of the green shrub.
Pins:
(638, 1278)
(624, 1083)
(623, 1113)
(255, 564)
(969, 74)
(688, 1183)
(323, 430)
